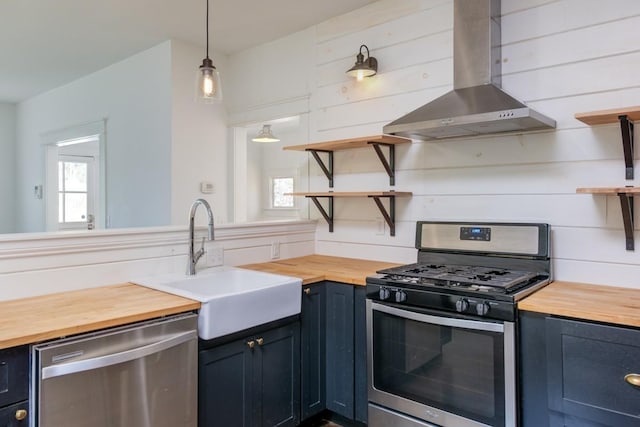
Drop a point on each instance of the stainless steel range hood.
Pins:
(476, 105)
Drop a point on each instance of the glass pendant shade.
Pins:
(265, 135)
(208, 82)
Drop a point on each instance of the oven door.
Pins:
(446, 370)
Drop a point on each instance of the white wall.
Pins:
(270, 81)
(198, 138)
(7, 162)
(560, 57)
(135, 97)
(42, 263)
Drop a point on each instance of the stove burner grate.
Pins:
(484, 279)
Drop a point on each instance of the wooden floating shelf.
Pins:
(327, 214)
(350, 143)
(603, 117)
(626, 117)
(613, 191)
(625, 194)
(355, 194)
(375, 141)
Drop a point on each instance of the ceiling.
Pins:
(47, 43)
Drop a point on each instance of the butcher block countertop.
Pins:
(30, 320)
(316, 268)
(587, 302)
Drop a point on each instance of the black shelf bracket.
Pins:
(626, 127)
(328, 216)
(327, 169)
(389, 165)
(626, 204)
(390, 216)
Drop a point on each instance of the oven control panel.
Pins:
(475, 233)
(442, 301)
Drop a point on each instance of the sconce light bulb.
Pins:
(360, 75)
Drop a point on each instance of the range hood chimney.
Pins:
(476, 105)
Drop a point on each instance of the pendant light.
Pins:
(363, 68)
(265, 135)
(208, 81)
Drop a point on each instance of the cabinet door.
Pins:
(14, 375)
(224, 386)
(15, 415)
(360, 350)
(313, 358)
(532, 355)
(340, 356)
(557, 419)
(587, 365)
(277, 376)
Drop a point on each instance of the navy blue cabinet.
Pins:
(360, 350)
(587, 366)
(252, 381)
(14, 386)
(533, 370)
(577, 373)
(340, 349)
(334, 353)
(313, 357)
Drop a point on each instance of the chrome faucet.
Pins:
(195, 256)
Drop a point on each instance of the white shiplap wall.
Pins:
(560, 57)
(43, 263)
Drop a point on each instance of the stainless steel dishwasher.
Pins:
(141, 375)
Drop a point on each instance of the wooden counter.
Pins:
(587, 302)
(41, 318)
(316, 268)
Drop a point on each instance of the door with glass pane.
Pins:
(76, 192)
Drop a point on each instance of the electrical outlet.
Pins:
(275, 250)
(380, 227)
(215, 255)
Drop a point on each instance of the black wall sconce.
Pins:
(363, 68)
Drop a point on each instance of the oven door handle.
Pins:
(439, 320)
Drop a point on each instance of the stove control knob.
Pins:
(384, 294)
(482, 308)
(462, 305)
(401, 296)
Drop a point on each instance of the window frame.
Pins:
(272, 179)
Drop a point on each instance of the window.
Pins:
(74, 191)
(74, 187)
(279, 187)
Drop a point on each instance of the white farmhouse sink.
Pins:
(233, 299)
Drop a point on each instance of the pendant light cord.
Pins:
(207, 26)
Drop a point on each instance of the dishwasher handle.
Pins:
(115, 358)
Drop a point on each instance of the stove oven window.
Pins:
(457, 370)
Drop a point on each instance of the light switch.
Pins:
(207, 187)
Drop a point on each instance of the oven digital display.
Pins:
(475, 233)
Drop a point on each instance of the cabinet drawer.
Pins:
(9, 415)
(14, 375)
(587, 365)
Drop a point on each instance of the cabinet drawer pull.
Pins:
(251, 343)
(21, 414)
(307, 291)
(633, 379)
(260, 341)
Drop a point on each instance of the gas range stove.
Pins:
(478, 269)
